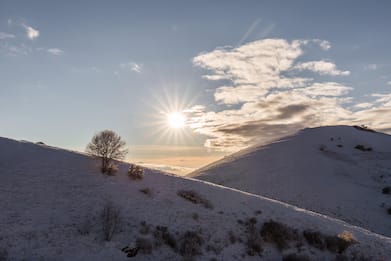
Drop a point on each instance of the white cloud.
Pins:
(4, 36)
(132, 66)
(31, 32)
(378, 115)
(389, 82)
(321, 67)
(363, 105)
(371, 67)
(384, 99)
(136, 67)
(325, 45)
(55, 51)
(330, 89)
(271, 98)
(257, 63)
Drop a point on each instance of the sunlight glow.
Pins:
(169, 121)
(176, 120)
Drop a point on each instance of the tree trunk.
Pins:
(105, 163)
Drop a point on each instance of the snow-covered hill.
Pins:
(338, 171)
(52, 202)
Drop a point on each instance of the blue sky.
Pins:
(242, 72)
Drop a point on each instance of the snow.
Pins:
(48, 194)
(317, 169)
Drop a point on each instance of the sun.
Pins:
(176, 120)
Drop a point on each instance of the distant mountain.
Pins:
(339, 171)
(56, 205)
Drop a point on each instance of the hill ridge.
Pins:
(324, 169)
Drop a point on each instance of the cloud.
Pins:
(31, 32)
(132, 66)
(14, 50)
(371, 67)
(321, 67)
(4, 36)
(378, 115)
(257, 63)
(265, 96)
(325, 89)
(136, 68)
(179, 170)
(363, 105)
(55, 51)
(325, 45)
(234, 95)
(389, 82)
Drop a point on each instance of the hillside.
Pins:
(52, 201)
(338, 171)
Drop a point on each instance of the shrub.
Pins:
(135, 172)
(386, 190)
(278, 233)
(163, 236)
(111, 169)
(144, 245)
(389, 210)
(338, 244)
(347, 236)
(254, 240)
(363, 128)
(195, 198)
(190, 245)
(362, 148)
(110, 219)
(145, 228)
(339, 145)
(295, 257)
(131, 251)
(315, 239)
(146, 191)
(231, 237)
(322, 147)
(3, 254)
(214, 248)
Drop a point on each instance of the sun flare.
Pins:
(176, 120)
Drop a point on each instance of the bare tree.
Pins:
(107, 145)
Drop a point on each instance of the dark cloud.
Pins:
(291, 110)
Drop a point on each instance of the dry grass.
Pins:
(195, 198)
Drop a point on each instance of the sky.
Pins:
(232, 73)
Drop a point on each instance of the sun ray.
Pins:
(167, 117)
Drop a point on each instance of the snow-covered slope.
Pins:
(52, 201)
(318, 169)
